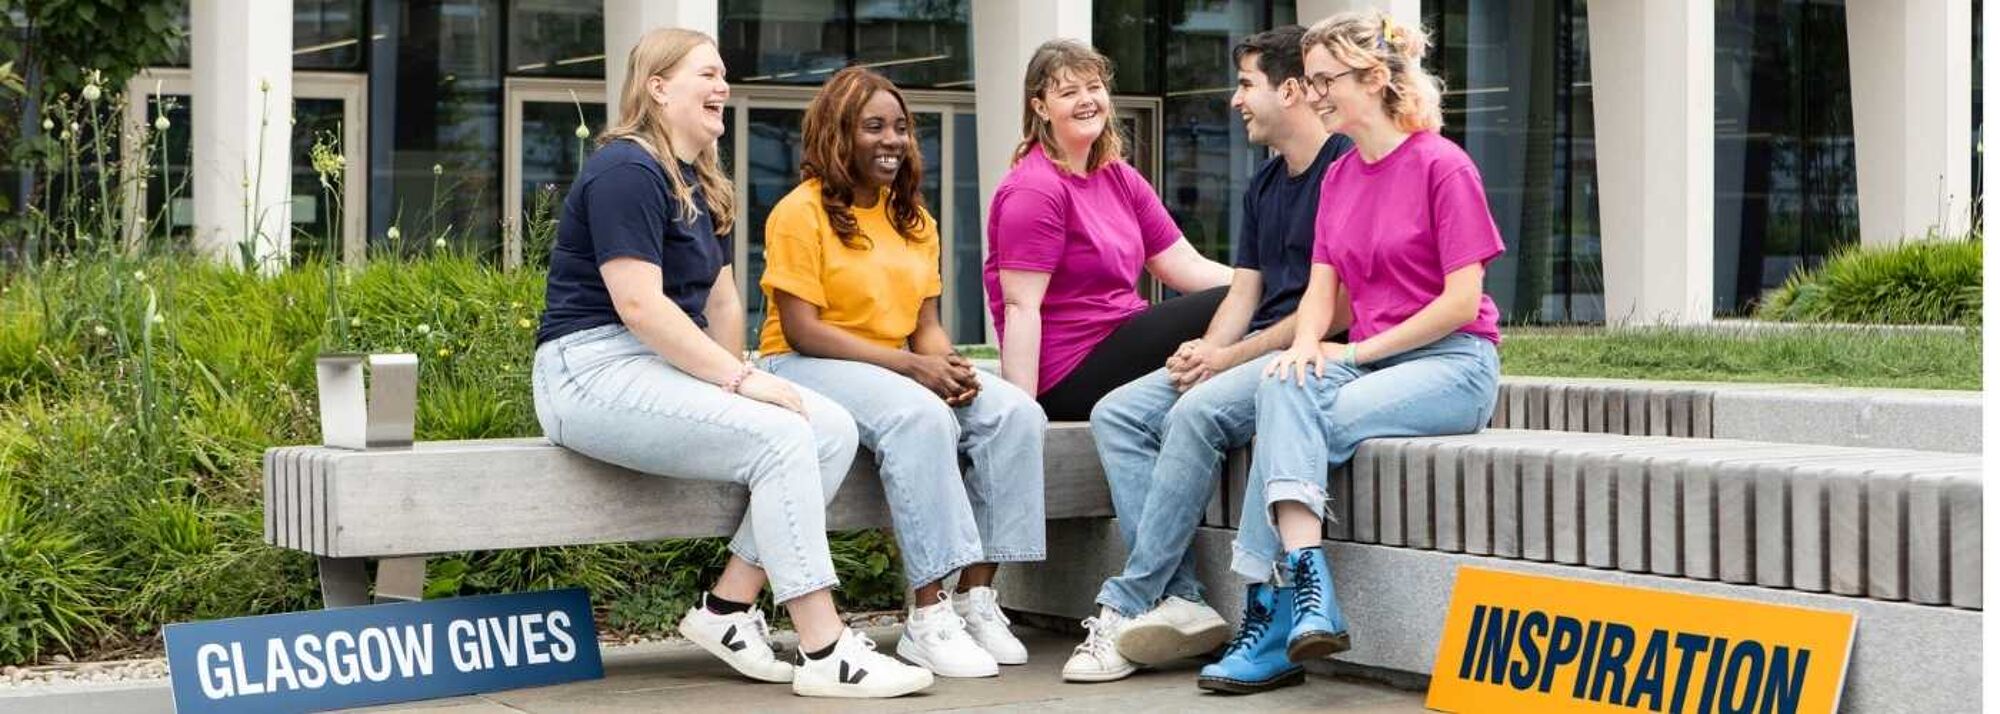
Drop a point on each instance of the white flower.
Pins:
(92, 92)
(354, 322)
(263, 85)
(395, 233)
(48, 125)
(159, 318)
(423, 329)
(440, 244)
(139, 275)
(437, 169)
(65, 135)
(100, 331)
(161, 123)
(582, 131)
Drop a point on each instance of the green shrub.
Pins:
(131, 447)
(1926, 282)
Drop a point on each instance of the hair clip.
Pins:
(1388, 32)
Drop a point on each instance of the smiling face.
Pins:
(1342, 96)
(881, 141)
(1077, 106)
(1261, 105)
(691, 95)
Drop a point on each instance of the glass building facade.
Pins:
(470, 108)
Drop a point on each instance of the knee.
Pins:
(785, 454)
(923, 415)
(1114, 411)
(1195, 412)
(835, 433)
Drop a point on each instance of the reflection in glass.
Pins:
(916, 44)
(775, 148)
(326, 34)
(1514, 101)
(554, 38)
(551, 155)
(434, 123)
(784, 41)
(171, 170)
(1206, 158)
(1128, 32)
(966, 317)
(1784, 144)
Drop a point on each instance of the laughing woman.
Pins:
(1071, 226)
(853, 275)
(637, 365)
(1408, 243)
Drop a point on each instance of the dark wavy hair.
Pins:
(832, 120)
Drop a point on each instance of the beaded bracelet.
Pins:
(736, 380)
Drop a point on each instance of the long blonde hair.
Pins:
(657, 54)
(1367, 39)
(1050, 61)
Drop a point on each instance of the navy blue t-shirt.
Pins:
(1277, 237)
(622, 206)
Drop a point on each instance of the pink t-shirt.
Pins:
(1091, 234)
(1394, 228)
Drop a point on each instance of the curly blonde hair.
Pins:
(1372, 39)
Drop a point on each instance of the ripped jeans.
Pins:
(1446, 387)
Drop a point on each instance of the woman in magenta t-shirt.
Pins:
(1069, 229)
(1402, 241)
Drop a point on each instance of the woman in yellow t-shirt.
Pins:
(852, 274)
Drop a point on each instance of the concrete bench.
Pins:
(398, 505)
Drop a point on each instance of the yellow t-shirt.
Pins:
(873, 292)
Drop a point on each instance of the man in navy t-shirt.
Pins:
(1163, 436)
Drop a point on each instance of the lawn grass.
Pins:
(1803, 355)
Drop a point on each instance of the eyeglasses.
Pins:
(1322, 83)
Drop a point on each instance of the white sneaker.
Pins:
(934, 638)
(855, 670)
(739, 640)
(1097, 659)
(1172, 630)
(980, 607)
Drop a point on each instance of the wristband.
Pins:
(736, 380)
(1349, 359)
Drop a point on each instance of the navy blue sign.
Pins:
(356, 656)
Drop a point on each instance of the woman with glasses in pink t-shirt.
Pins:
(1069, 229)
(1401, 244)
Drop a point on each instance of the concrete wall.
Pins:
(1911, 71)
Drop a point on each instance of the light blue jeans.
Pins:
(1162, 451)
(1446, 387)
(604, 394)
(944, 521)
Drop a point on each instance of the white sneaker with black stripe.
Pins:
(855, 670)
(739, 640)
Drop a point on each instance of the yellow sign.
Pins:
(1525, 643)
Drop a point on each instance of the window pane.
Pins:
(1207, 158)
(775, 148)
(553, 38)
(314, 234)
(326, 34)
(916, 44)
(1128, 31)
(169, 201)
(434, 105)
(551, 155)
(784, 41)
(967, 314)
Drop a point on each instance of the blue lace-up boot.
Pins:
(1255, 660)
(1318, 627)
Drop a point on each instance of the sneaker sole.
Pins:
(716, 650)
(1237, 686)
(1097, 677)
(856, 691)
(1157, 643)
(1317, 645)
(914, 655)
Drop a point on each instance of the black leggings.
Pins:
(1136, 348)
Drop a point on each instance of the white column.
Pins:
(1911, 72)
(1408, 12)
(625, 21)
(242, 109)
(1654, 67)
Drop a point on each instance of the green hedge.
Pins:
(136, 399)
(1925, 282)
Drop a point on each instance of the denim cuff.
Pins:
(1298, 490)
(790, 594)
(1252, 568)
(1032, 556)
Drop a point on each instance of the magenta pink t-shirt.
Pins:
(1091, 234)
(1394, 228)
